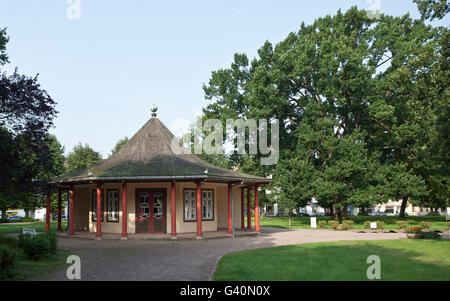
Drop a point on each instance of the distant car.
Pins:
(14, 218)
(303, 214)
(63, 217)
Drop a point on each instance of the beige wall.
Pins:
(83, 204)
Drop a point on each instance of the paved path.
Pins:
(184, 259)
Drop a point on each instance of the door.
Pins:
(151, 206)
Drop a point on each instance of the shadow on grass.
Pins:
(401, 260)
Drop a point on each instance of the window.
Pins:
(113, 206)
(207, 205)
(190, 209)
(190, 204)
(94, 205)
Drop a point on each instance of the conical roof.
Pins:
(148, 155)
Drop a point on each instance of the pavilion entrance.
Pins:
(151, 210)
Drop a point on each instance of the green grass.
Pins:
(438, 222)
(28, 269)
(39, 226)
(406, 260)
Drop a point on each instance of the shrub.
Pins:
(380, 225)
(27, 220)
(322, 224)
(9, 241)
(414, 230)
(426, 225)
(35, 247)
(402, 224)
(430, 235)
(433, 214)
(333, 223)
(8, 259)
(348, 224)
(367, 225)
(53, 240)
(342, 227)
(363, 214)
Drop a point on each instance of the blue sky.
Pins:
(107, 68)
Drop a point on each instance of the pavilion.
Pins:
(130, 191)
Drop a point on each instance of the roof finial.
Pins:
(154, 109)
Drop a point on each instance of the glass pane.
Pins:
(144, 226)
(157, 225)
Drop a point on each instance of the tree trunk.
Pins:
(335, 210)
(4, 208)
(290, 219)
(403, 207)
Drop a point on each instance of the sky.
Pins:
(107, 68)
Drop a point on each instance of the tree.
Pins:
(119, 145)
(344, 90)
(26, 114)
(433, 9)
(82, 157)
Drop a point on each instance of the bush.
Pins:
(35, 247)
(348, 224)
(8, 259)
(367, 225)
(53, 240)
(414, 230)
(363, 214)
(322, 224)
(380, 225)
(426, 225)
(27, 220)
(402, 224)
(433, 214)
(430, 235)
(333, 223)
(9, 241)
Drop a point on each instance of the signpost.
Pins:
(31, 231)
(373, 225)
(313, 222)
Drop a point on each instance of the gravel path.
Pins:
(184, 259)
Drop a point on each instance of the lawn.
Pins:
(39, 226)
(28, 269)
(438, 222)
(405, 259)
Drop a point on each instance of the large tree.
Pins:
(82, 156)
(344, 90)
(26, 114)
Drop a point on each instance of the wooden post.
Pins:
(59, 229)
(230, 230)
(242, 208)
(256, 210)
(98, 235)
(249, 209)
(47, 214)
(124, 212)
(199, 212)
(173, 215)
(72, 229)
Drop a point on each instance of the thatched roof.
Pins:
(148, 156)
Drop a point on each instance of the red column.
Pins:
(230, 230)
(199, 212)
(124, 211)
(173, 215)
(256, 210)
(249, 209)
(72, 229)
(59, 210)
(99, 212)
(47, 214)
(242, 208)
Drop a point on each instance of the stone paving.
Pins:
(184, 259)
